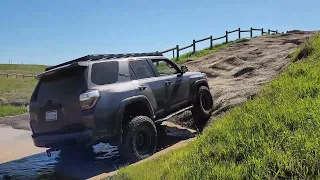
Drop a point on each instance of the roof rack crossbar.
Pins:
(95, 57)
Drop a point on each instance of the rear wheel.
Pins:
(139, 139)
(202, 106)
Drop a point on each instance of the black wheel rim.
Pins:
(206, 101)
(143, 142)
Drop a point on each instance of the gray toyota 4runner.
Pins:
(116, 99)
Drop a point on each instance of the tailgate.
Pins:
(54, 106)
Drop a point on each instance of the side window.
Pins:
(105, 72)
(132, 75)
(142, 69)
(163, 67)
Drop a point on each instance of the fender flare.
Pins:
(196, 85)
(124, 103)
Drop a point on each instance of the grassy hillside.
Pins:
(275, 135)
(183, 58)
(190, 55)
(21, 68)
(16, 92)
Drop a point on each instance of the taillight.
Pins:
(89, 99)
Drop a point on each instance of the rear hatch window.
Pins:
(68, 83)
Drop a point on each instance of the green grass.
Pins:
(274, 136)
(16, 92)
(183, 58)
(190, 55)
(12, 110)
(21, 68)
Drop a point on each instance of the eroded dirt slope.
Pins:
(237, 72)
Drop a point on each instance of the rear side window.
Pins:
(105, 72)
(142, 69)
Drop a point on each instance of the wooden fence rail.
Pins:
(176, 50)
(12, 75)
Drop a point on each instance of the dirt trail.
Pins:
(237, 72)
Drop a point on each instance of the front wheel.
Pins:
(202, 106)
(139, 139)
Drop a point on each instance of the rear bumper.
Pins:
(63, 140)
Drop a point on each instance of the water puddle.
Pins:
(79, 164)
(64, 165)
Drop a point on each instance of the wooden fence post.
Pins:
(177, 51)
(7, 75)
(172, 53)
(261, 31)
(23, 76)
(251, 32)
(276, 31)
(211, 45)
(269, 31)
(226, 36)
(194, 46)
(239, 33)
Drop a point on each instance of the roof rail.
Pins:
(95, 57)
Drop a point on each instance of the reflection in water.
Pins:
(102, 158)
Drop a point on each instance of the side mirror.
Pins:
(184, 69)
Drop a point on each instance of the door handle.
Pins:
(168, 82)
(142, 88)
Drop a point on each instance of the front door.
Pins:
(177, 85)
(149, 85)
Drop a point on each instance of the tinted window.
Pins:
(60, 85)
(142, 69)
(105, 72)
(164, 67)
(132, 75)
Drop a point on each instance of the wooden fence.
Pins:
(15, 75)
(176, 50)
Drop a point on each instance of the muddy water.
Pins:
(102, 158)
(20, 159)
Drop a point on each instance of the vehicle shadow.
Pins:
(103, 158)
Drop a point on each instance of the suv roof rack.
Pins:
(95, 57)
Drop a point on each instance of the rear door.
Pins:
(149, 85)
(54, 105)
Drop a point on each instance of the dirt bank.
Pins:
(237, 72)
(17, 122)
